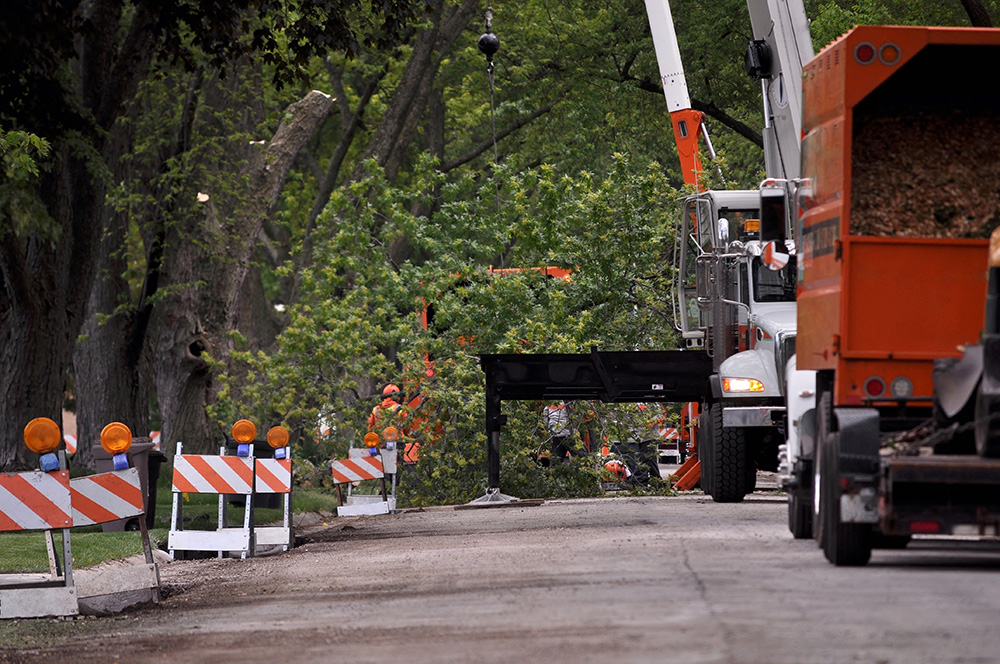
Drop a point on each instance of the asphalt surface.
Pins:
(679, 579)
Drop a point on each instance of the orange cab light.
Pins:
(277, 437)
(116, 438)
(41, 435)
(244, 431)
(371, 439)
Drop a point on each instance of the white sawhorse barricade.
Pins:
(360, 467)
(222, 475)
(38, 500)
(47, 501)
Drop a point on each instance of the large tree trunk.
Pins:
(46, 281)
(211, 296)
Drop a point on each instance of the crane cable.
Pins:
(489, 44)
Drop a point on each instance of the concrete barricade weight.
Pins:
(222, 475)
(361, 466)
(39, 500)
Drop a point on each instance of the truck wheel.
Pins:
(844, 544)
(799, 517)
(729, 460)
(705, 452)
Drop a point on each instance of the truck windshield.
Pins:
(773, 285)
(744, 224)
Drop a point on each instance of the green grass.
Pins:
(24, 552)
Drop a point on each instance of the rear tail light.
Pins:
(864, 53)
(874, 387)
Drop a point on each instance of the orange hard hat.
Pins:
(390, 389)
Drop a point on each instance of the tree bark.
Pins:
(47, 281)
(213, 293)
(978, 16)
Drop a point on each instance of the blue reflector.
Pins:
(281, 453)
(243, 450)
(121, 461)
(49, 462)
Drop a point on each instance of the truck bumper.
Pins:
(752, 416)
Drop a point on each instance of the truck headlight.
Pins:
(742, 385)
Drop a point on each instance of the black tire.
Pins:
(729, 460)
(705, 452)
(844, 544)
(800, 517)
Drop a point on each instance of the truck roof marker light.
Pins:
(742, 385)
(889, 54)
(865, 53)
(116, 439)
(41, 435)
(901, 387)
(874, 387)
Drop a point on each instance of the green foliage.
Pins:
(21, 210)
(357, 324)
(833, 18)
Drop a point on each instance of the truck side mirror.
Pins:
(773, 217)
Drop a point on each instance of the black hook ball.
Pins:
(489, 44)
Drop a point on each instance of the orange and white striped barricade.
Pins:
(102, 498)
(39, 500)
(222, 475)
(361, 466)
(275, 476)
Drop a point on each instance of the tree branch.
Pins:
(488, 143)
(709, 109)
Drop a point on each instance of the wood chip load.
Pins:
(926, 174)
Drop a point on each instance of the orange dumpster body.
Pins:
(879, 301)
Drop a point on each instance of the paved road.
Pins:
(606, 581)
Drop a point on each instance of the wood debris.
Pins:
(926, 175)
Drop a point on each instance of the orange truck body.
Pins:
(880, 306)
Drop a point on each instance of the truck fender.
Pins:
(955, 380)
(752, 364)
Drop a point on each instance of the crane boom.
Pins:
(780, 48)
(687, 122)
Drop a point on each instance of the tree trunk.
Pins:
(46, 282)
(978, 16)
(211, 295)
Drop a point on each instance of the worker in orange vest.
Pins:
(389, 404)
